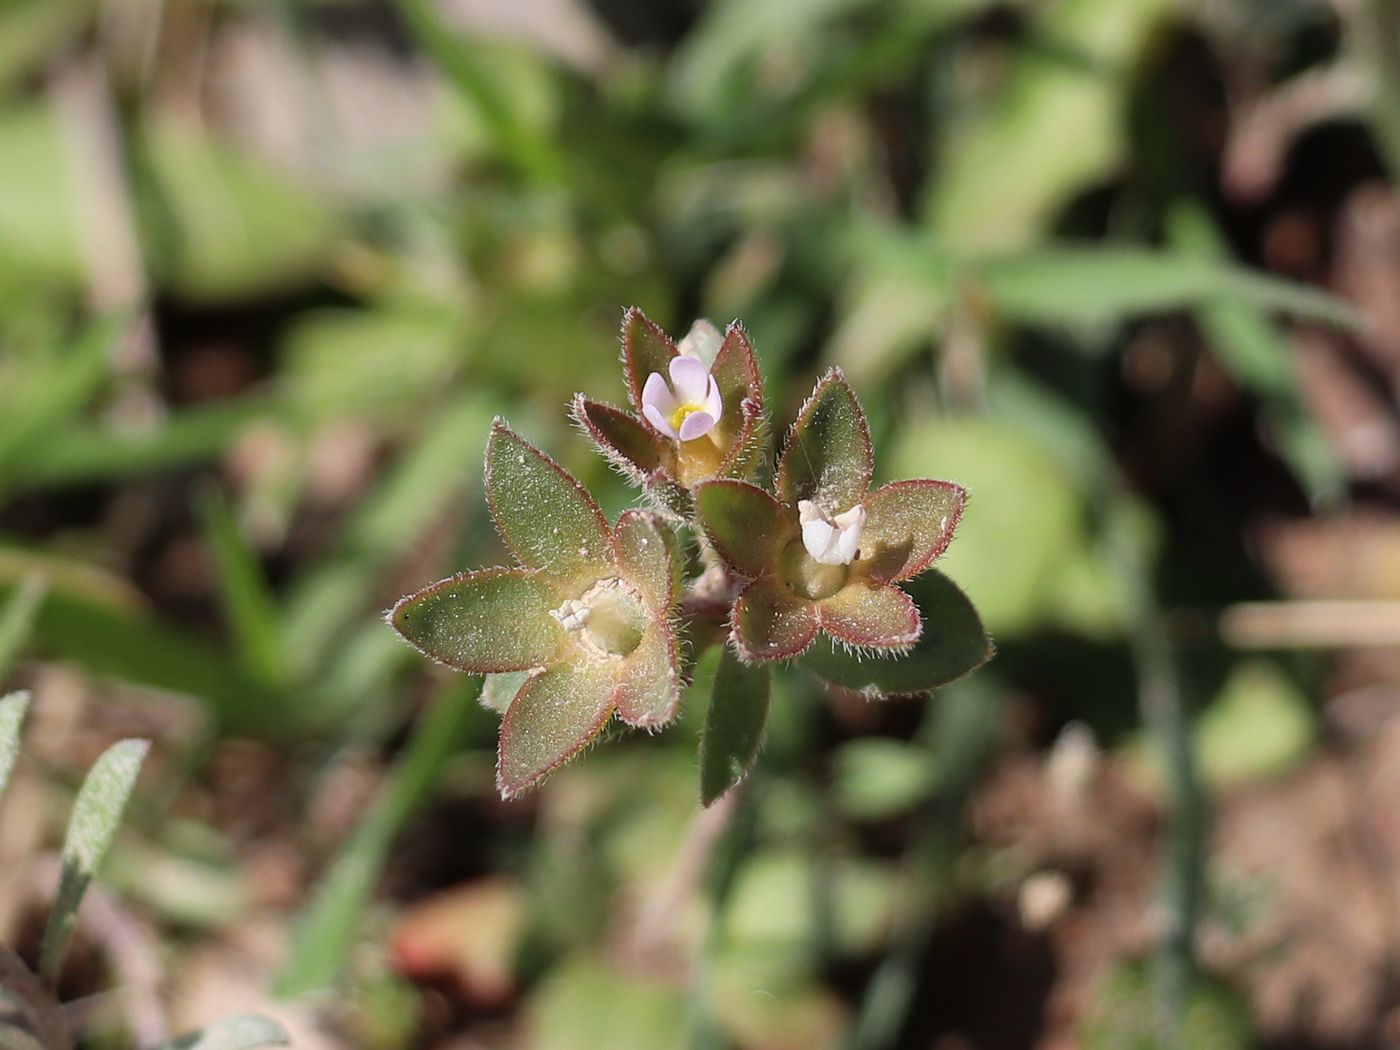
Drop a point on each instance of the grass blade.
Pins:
(248, 602)
(97, 812)
(12, 711)
(17, 619)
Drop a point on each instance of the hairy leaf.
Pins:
(623, 439)
(12, 710)
(555, 717)
(733, 725)
(645, 349)
(736, 373)
(97, 812)
(747, 527)
(907, 525)
(952, 644)
(648, 684)
(547, 519)
(772, 623)
(486, 621)
(642, 548)
(828, 458)
(876, 615)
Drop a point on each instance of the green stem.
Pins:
(1164, 713)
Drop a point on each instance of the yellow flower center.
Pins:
(679, 415)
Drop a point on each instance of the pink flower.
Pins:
(686, 408)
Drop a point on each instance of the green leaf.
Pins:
(772, 623)
(13, 707)
(248, 602)
(547, 519)
(828, 458)
(733, 725)
(646, 348)
(556, 715)
(586, 1005)
(953, 643)
(97, 812)
(46, 405)
(747, 527)
(735, 369)
(17, 619)
(467, 67)
(871, 616)
(327, 931)
(908, 524)
(875, 777)
(645, 558)
(217, 224)
(482, 622)
(1094, 285)
(623, 439)
(238, 1032)
(648, 683)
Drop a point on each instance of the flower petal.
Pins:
(648, 684)
(655, 417)
(695, 425)
(481, 622)
(713, 403)
(871, 615)
(747, 527)
(907, 525)
(657, 392)
(551, 719)
(642, 548)
(645, 349)
(546, 518)
(689, 379)
(828, 457)
(771, 623)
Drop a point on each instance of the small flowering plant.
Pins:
(599, 621)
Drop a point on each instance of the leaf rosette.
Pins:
(827, 554)
(579, 630)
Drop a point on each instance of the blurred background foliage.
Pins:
(1126, 269)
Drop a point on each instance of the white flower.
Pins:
(831, 540)
(686, 408)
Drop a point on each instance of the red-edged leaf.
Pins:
(648, 684)
(553, 717)
(481, 622)
(735, 369)
(747, 527)
(624, 440)
(645, 349)
(750, 443)
(772, 623)
(828, 458)
(642, 548)
(546, 518)
(907, 525)
(875, 615)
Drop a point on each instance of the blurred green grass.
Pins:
(269, 269)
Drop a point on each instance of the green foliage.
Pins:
(734, 725)
(97, 812)
(13, 707)
(588, 615)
